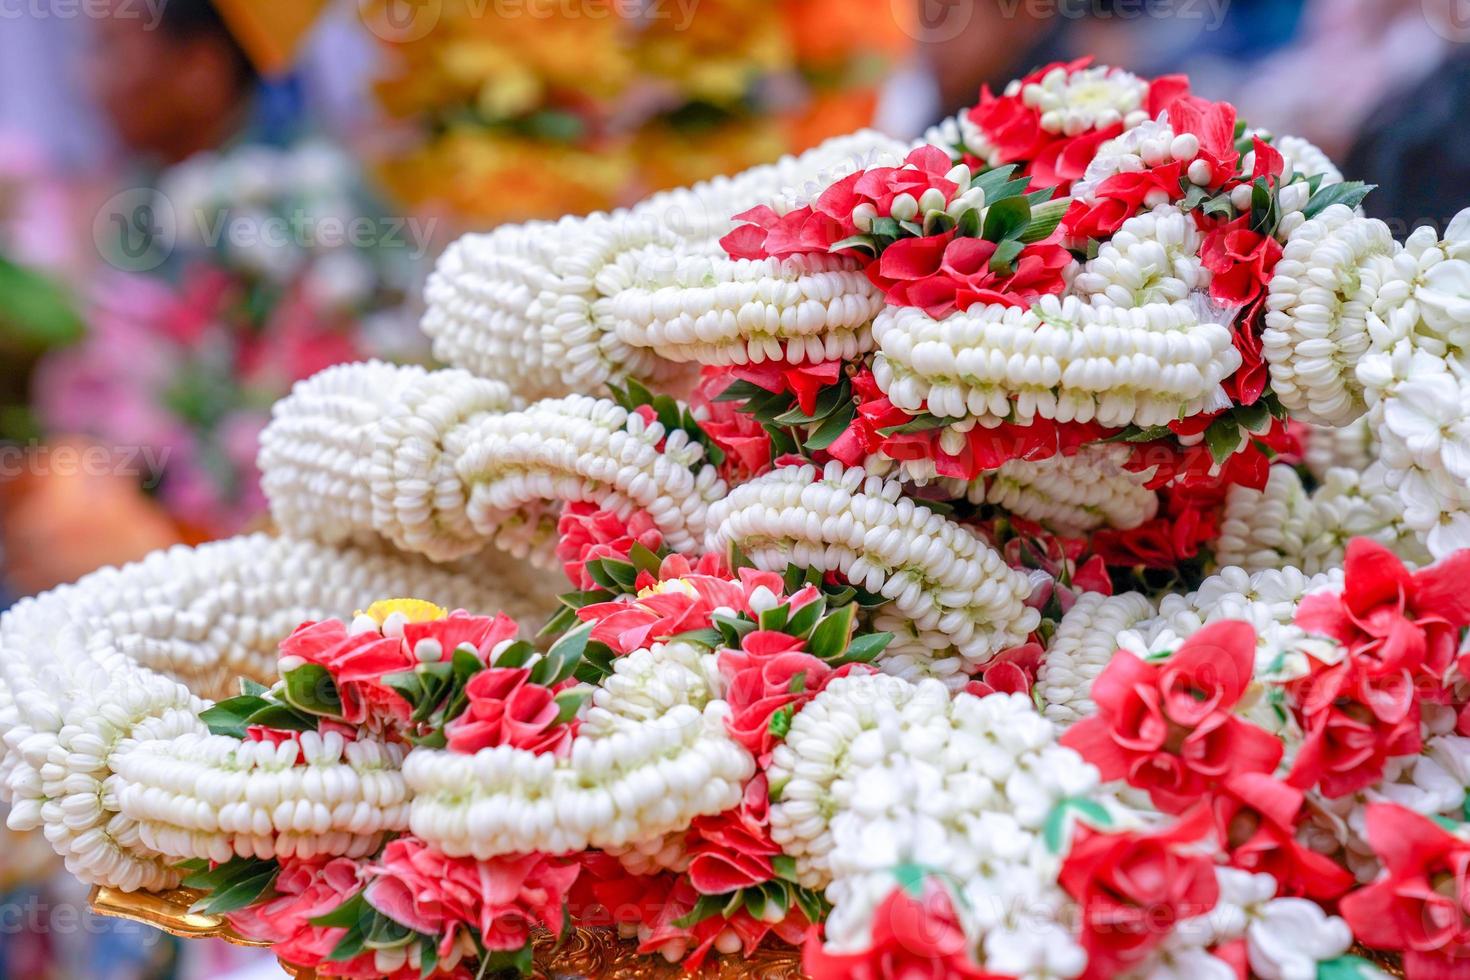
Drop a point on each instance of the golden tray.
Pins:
(583, 953)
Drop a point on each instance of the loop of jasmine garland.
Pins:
(1153, 258)
(1303, 157)
(516, 464)
(876, 772)
(716, 310)
(1284, 526)
(940, 576)
(210, 796)
(317, 454)
(1319, 303)
(527, 304)
(1084, 642)
(634, 773)
(83, 667)
(1061, 359)
(1069, 495)
(1327, 447)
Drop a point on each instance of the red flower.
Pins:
(658, 902)
(1135, 887)
(942, 273)
(747, 445)
(1241, 260)
(1421, 904)
(1400, 629)
(770, 674)
(1011, 671)
(587, 532)
(302, 891)
(912, 938)
(502, 899)
(631, 622)
(1119, 198)
(1213, 123)
(1167, 727)
(805, 381)
(1347, 746)
(357, 663)
(505, 708)
(1255, 819)
(734, 849)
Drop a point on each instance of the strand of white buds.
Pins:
(1304, 158)
(629, 777)
(528, 304)
(1061, 359)
(876, 773)
(88, 665)
(1084, 642)
(1149, 144)
(211, 796)
(574, 449)
(317, 454)
(1416, 381)
(940, 576)
(1073, 102)
(1153, 258)
(716, 310)
(957, 135)
(1069, 495)
(1285, 526)
(1350, 446)
(1319, 303)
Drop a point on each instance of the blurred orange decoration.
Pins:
(540, 108)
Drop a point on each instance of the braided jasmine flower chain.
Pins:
(1319, 302)
(877, 772)
(317, 454)
(1153, 258)
(940, 576)
(633, 775)
(580, 448)
(1083, 644)
(716, 310)
(1302, 156)
(82, 670)
(1069, 495)
(1061, 359)
(210, 796)
(1284, 526)
(1351, 446)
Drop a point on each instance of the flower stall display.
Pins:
(548, 108)
(1035, 553)
(278, 271)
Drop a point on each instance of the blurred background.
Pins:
(203, 201)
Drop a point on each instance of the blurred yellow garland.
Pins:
(531, 108)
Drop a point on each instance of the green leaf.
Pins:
(785, 867)
(1347, 968)
(408, 686)
(1218, 206)
(741, 391)
(922, 423)
(832, 634)
(969, 224)
(251, 688)
(775, 618)
(1350, 193)
(385, 933)
(831, 428)
(995, 183)
(707, 906)
(465, 665)
(865, 649)
(644, 560)
(804, 620)
(1223, 437)
(518, 654)
(596, 663)
(562, 660)
(1006, 220)
(780, 722)
(706, 638)
(1256, 418)
(229, 717)
(37, 314)
(1045, 219)
(733, 628)
(350, 913)
(911, 877)
(310, 688)
(239, 893)
(1004, 260)
(348, 947)
(428, 956)
(282, 718)
(568, 703)
(861, 243)
(885, 228)
(1054, 830)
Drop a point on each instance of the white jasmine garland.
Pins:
(1318, 303)
(717, 310)
(1062, 359)
(940, 576)
(1153, 258)
(1071, 103)
(88, 670)
(1084, 642)
(1306, 159)
(1351, 446)
(1070, 495)
(211, 796)
(633, 775)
